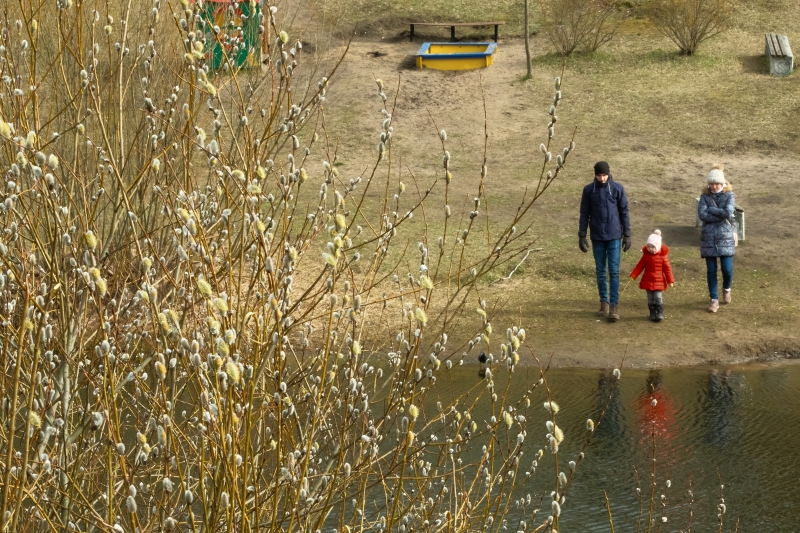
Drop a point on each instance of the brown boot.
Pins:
(613, 313)
(603, 311)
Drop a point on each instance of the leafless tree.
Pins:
(574, 24)
(690, 22)
(528, 38)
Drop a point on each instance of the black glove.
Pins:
(583, 244)
(626, 243)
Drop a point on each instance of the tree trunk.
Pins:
(527, 40)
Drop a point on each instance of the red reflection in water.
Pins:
(658, 419)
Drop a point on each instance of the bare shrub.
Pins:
(574, 24)
(688, 23)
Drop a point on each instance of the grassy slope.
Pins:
(383, 17)
(661, 120)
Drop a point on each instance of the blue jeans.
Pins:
(726, 265)
(607, 252)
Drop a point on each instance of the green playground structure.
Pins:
(232, 28)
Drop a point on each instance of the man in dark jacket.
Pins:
(604, 211)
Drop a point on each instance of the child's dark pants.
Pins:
(654, 298)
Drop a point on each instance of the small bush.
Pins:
(574, 24)
(690, 22)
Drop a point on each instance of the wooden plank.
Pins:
(474, 24)
(776, 45)
(787, 50)
(770, 44)
(459, 24)
(453, 25)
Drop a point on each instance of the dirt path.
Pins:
(661, 123)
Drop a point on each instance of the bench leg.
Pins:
(496, 32)
(452, 34)
(411, 34)
(780, 66)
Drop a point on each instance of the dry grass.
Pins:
(387, 18)
(661, 119)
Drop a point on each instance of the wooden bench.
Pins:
(453, 26)
(781, 60)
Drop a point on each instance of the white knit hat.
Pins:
(655, 240)
(716, 175)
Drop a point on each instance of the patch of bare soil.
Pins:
(659, 148)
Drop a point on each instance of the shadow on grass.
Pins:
(679, 236)
(600, 58)
(576, 58)
(754, 64)
(675, 57)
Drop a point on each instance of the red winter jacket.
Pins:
(657, 270)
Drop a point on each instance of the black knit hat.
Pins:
(601, 167)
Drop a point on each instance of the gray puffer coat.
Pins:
(716, 211)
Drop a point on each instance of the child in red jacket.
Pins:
(657, 274)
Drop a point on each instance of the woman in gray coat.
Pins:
(716, 210)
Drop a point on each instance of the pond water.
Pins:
(738, 424)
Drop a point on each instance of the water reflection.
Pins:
(719, 410)
(655, 411)
(613, 425)
(739, 425)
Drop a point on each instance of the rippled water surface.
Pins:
(740, 425)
